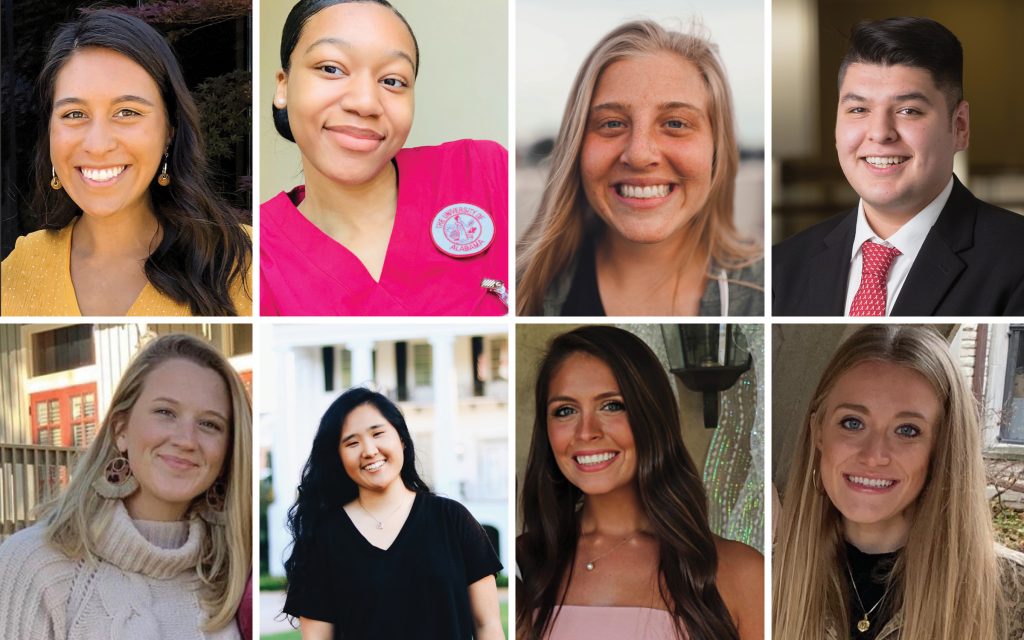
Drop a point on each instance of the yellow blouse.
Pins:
(35, 280)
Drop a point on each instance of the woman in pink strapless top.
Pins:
(616, 542)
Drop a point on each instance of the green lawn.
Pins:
(295, 635)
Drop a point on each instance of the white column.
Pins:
(362, 362)
(446, 410)
(299, 385)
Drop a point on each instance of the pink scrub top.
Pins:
(611, 623)
(305, 272)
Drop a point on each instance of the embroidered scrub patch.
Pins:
(462, 230)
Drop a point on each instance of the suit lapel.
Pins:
(938, 266)
(829, 269)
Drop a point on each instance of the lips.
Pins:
(643, 192)
(175, 462)
(102, 174)
(865, 482)
(884, 162)
(356, 138)
(374, 466)
(594, 460)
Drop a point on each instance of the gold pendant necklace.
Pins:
(864, 624)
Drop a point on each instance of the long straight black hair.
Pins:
(325, 486)
(204, 247)
(671, 494)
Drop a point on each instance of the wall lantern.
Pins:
(708, 358)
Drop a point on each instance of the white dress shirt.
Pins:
(908, 240)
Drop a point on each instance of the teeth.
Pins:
(374, 466)
(597, 458)
(874, 483)
(884, 161)
(654, 191)
(103, 175)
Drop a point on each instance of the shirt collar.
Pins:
(910, 237)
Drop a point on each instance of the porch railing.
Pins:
(30, 475)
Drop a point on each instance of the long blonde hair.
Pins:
(78, 516)
(555, 234)
(945, 582)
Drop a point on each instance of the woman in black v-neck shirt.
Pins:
(375, 553)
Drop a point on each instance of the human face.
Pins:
(371, 450)
(349, 91)
(896, 138)
(108, 132)
(588, 427)
(648, 147)
(176, 437)
(875, 440)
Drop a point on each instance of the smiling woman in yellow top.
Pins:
(131, 226)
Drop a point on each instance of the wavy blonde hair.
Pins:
(945, 582)
(78, 516)
(556, 232)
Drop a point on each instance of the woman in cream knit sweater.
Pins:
(151, 539)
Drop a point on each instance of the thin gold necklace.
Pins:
(593, 563)
(380, 523)
(864, 624)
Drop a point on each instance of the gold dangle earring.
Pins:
(163, 179)
(54, 180)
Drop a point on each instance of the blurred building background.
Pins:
(552, 40)
(450, 381)
(56, 386)
(809, 39)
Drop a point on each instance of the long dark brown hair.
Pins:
(204, 247)
(670, 490)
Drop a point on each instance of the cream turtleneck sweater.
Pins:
(145, 586)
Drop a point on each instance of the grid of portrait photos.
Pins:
(511, 319)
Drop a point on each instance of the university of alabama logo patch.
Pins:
(462, 230)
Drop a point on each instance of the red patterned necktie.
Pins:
(872, 294)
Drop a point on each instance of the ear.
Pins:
(281, 94)
(120, 437)
(962, 125)
(815, 431)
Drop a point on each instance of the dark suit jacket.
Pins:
(971, 264)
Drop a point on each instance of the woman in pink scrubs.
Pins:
(376, 229)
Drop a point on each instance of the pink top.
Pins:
(305, 272)
(612, 623)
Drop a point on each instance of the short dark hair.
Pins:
(293, 26)
(912, 42)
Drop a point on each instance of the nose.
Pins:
(362, 96)
(185, 434)
(881, 127)
(99, 138)
(370, 449)
(641, 149)
(875, 449)
(588, 428)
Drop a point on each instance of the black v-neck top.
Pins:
(870, 573)
(417, 588)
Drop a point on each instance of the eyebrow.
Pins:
(124, 98)
(345, 44)
(175, 402)
(664, 106)
(863, 409)
(600, 396)
(380, 425)
(903, 97)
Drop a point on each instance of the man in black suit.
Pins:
(918, 243)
